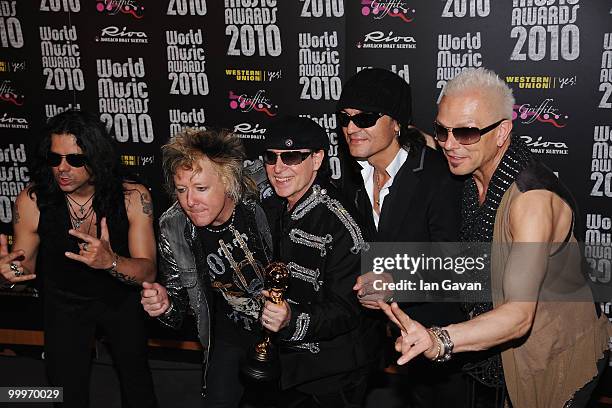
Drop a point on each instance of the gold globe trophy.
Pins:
(262, 363)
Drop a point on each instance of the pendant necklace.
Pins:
(80, 215)
(81, 206)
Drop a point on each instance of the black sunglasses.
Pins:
(291, 158)
(463, 135)
(361, 120)
(73, 159)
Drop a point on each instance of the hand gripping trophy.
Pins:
(262, 363)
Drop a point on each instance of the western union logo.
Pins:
(532, 82)
(251, 75)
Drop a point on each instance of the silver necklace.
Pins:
(208, 228)
(80, 216)
(81, 206)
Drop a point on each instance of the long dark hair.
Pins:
(103, 162)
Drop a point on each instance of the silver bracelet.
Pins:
(446, 342)
(113, 267)
(169, 310)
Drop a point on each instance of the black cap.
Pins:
(294, 133)
(378, 90)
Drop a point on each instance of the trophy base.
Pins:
(261, 367)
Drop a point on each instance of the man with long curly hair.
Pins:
(89, 233)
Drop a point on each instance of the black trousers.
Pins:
(226, 387)
(349, 392)
(425, 384)
(70, 325)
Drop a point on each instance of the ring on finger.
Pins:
(85, 246)
(15, 269)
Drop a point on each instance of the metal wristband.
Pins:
(444, 338)
(439, 344)
(169, 310)
(113, 267)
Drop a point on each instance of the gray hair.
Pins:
(485, 81)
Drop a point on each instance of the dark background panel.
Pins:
(245, 71)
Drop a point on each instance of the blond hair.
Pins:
(221, 147)
(485, 81)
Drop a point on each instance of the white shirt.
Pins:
(367, 173)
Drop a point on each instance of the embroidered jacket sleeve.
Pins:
(169, 277)
(333, 308)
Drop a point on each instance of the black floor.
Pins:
(176, 383)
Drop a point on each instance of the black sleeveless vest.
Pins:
(72, 278)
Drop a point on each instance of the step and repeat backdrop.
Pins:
(151, 68)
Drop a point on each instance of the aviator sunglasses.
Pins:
(361, 120)
(463, 135)
(73, 159)
(291, 158)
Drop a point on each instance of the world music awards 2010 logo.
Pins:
(113, 7)
(544, 112)
(379, 9)
(258, 102)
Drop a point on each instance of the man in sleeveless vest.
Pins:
(88, 232)
(552, 338)
(404, 193)
(214, 245)
(326, 344)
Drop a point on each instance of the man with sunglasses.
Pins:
(404, 193)
(553, 346)
(326, 344)
(88, 233)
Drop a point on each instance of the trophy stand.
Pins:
(262, 362)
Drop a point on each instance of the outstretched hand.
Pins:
(10, 263)
(95, 253)
(414, 339)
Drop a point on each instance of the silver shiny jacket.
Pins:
(178, 269)
(178, 273)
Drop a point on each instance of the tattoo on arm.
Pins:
(130, 280)
(147, 206)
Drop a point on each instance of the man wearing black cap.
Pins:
(321, 330)
(404, 192)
